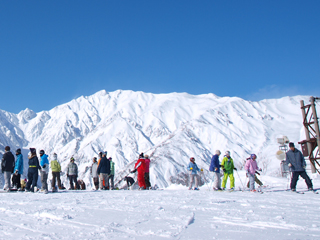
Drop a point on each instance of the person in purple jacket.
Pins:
(251, 167)
(215, 168)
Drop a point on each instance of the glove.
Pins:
(257, 173)
(44, 166)
(289, 165)
(191, 168)
(201, 169)
(235, 169)
(216, 169)
(134, 170)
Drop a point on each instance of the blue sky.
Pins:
(54, 51)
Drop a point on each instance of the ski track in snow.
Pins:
(170, 214)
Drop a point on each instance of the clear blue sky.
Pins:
(54, 51)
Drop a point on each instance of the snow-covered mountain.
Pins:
(168, 127)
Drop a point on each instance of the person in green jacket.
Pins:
(111, 176)
(56, 169)
(228, 167)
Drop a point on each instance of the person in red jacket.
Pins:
(140, 166)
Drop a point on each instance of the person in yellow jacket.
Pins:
(228, 167)
(56, 169)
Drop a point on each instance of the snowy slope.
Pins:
(169, 127)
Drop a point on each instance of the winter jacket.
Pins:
(194, 167)
(72, 169)
(296, 159)
(215, 164)
(227, 165)
(140, 166)
(55, 166)
(19, 164)
(44, 163)
(34, 162)
(94, 169)
(147, 161)
(251, 166)
(7, 164)
(104, 166)
(111, 168)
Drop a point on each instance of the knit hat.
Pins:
(7, 148)
(146, 156)
(71, 159)
(291, 144)
(54, 156)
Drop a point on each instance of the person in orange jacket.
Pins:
(140, 166)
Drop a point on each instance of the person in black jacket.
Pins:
(7, 166)
(104, 171)
(34, 166)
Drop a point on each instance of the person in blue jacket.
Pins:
(18, 170)
(44, 164)
(215, 168)
(193, 173)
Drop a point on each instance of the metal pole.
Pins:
(306, 129)
(316, 124)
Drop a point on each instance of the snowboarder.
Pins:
(111, 176)
(146, 174)
(72, 174)
(215, 168)
(33, 171)
(193, 168)
(94, 174)
(228, 167)
(140, 166)
(18, 170)
(7, 166)
(103, 172)
(251, 167)
(297, 165)
(44, 164)
(56, 169)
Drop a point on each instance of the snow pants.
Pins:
(111, 178)
(216, 180)
(56, 175)
(257, 180)
(16, 180)
(7, 180)
(73, 182)
(295, 177)
(44, 178)
(225, 178)
(192, 177)
(251, 181)
(32, 178)
(141, 181)
(104, 177)
(96, 182)
(147, 179)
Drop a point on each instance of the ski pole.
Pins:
(240, 180)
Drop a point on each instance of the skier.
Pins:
(256, 179)
(193, 168)
(44, 164)
(215, 168)
(18, 170)
(103, 172)
(251, 167)
(33, 171)
(94, 173)
(228, 167)
(140, 166)
(146, 174)
(56, 169)
(7, 166)
(297, 165)
(72, 174)
(111, 176)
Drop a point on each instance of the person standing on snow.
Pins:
(228, 167)
(193, 173)
(33, 171)
(215, 168)
(94, 173)
(140, 166)
(72, 174)
(297, 165)
(56, 169)
(111, 176)
(7, 166)
(18, 169)
(103, 172)
(146, 174)
(44, 164)
(251, 167)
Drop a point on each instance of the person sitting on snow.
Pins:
(193, 173)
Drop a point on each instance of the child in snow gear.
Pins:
(228, 167)
(297, 165)
(44, 164)
(215, 168)
(56, 169)
(111, 176)
(146, 174)
(34, 166)
(18, 170)
(193, 168)
(72, 174)
(7, 166)
(140, 166)
(251, 167)
(94, 173)
(103, 171)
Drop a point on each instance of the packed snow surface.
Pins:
(174, 213)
